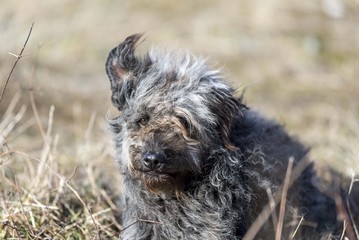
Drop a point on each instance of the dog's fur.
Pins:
(196, 162)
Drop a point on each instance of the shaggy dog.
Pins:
(196, 163)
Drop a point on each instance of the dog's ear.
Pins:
(121, 67)
(227, 109)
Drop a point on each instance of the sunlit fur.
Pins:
(220, 157)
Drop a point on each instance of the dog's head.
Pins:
(174, 113)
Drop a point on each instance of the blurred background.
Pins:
(298, 62)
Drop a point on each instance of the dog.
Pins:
(196, 162)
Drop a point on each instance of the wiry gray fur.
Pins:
(212, 158)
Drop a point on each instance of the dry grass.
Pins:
(298, 61)
(38, 201)
(42, 199)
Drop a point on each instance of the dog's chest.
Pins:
(186, 219)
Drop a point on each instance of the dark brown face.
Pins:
(162, 153)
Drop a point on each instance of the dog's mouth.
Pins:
(156, 177)
(159, 182)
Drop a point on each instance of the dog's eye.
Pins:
(142, 121)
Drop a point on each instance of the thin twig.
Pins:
(296, 229)
(18, 57)
(45, 150)
(344, 229)
(349, 206)
(283, 201)
(139, 220)
(36, 114)
(272, 206)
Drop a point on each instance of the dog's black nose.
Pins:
(153, 160)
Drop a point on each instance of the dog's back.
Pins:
(268, 149)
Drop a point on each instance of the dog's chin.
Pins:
(162, 183)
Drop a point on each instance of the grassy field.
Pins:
(297, 61)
